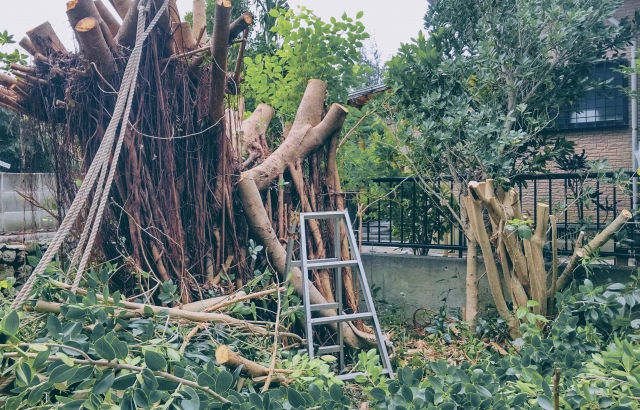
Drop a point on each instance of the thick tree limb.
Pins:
(126, 36)
(229, 358)
(108, 18)
(254, 129)
(202, 305)
(7, 80)
(239, 25)
(45, 40)
(199, 17)
(307, 134)
(95, 47)
(183, 37)
(78, 10)
(28, 46)
(121, 6)
(594, 244)
(480, 233)
(219, 53)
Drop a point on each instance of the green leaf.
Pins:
(360, 14)
(140, 398)
(295, 399)
(154, 361)
(62, 373)
(149, 379)
(120, 348)
(545, 403)
(106, 381)
(11, 323)
(224, 381)
(206, 381)
(336, 393)
(378, 394)
(41, 358)
(122, 382)
(54, 326)
(274, 12)
(524, 231)
(36, 394)
(104, 349)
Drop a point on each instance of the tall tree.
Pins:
(477, 98)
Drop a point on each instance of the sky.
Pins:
(389, 23)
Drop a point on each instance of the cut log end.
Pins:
(86, 24)
(223, 3)
(248, 18)
(626, 213)
(71, 4)
(223, 354)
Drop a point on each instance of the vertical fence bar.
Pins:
(566, 217)
(598, 205)
(425, 214)
(535, 200)
(402, 212)
(390, 212)
(379, 215)
(550, 199)
(413, 213)
(368, 221)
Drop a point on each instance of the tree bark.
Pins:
(121, 6)
(471, 284)
(535, 260)
(239, 25)
(307, 134)
(108, 18)
(45, 40)
(96, 49)
(253, 130)
(199, 18)
(480, 233)
(126, 36)
(219, 52)
(174, 14)
(183, 37)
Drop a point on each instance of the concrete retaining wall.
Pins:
(410, 282)
(16, 214)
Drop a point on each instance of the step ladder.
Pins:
(307, 265)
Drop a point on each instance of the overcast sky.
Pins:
(389, 23)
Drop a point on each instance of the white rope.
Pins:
(99, 165)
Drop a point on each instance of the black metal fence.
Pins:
(398, 212)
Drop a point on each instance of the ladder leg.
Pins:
(339, 288)
(368, 298)
(305, 284)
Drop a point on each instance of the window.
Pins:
(599, 108)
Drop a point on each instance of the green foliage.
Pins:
(310, 48)
(9, 140)
(7, 58)
(476, 98)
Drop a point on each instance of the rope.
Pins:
(99, 165)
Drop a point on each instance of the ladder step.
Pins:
(341, 318)
(351, 376)
(320, 264)
(323, 215)
(323, 350)
(298, 264)
(323, 306)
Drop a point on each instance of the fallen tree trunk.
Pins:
(28, 46)
(78, 10)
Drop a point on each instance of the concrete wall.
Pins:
(16, 214)
(410, 282)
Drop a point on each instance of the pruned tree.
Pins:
(194, 180)
(478, 97)
(518, 248)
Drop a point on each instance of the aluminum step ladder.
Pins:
(306, 266)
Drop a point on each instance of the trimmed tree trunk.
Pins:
(238, 26)
(45, 40)
(121, 7)
(28, 46)
(78, 10)
(95, 48)
(199, 19)
(521, 254)
(108, 18)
